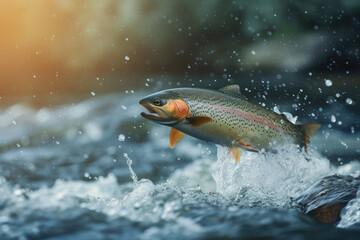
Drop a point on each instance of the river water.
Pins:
(94, 169)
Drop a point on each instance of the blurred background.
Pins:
(72, 138)
(49, 48)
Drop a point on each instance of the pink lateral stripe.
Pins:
(250, 116)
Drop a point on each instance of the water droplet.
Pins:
(349, 101)
(127, 58)
(253, 52)
(132, 173)
(121, 138)
(333, 118)
(93, 93)
(328, 82)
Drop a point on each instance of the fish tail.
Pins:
(309, 131)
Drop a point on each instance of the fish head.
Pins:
(165, 108)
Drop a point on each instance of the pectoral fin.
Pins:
(247, 146)
(197, 121)
(235, 153)
(175, 137)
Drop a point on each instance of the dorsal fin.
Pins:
(233, 90)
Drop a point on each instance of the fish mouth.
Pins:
(157, 115)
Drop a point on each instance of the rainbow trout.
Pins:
(223, 117)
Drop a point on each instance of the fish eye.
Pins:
(157, 102)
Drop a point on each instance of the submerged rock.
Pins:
(326, 198)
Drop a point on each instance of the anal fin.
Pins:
(235, 153)
(175, 137)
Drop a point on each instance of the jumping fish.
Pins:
(224, 117)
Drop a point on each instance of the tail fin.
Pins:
(309, 131)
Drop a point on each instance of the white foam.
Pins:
(350, 215)
(264, 180)
(270, 179)
(261, 180)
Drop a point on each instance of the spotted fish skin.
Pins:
(234, 120)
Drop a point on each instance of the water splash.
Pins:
(260, 179)
(350, 215)
(132, 173)
(268, 180)
(185, 203)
